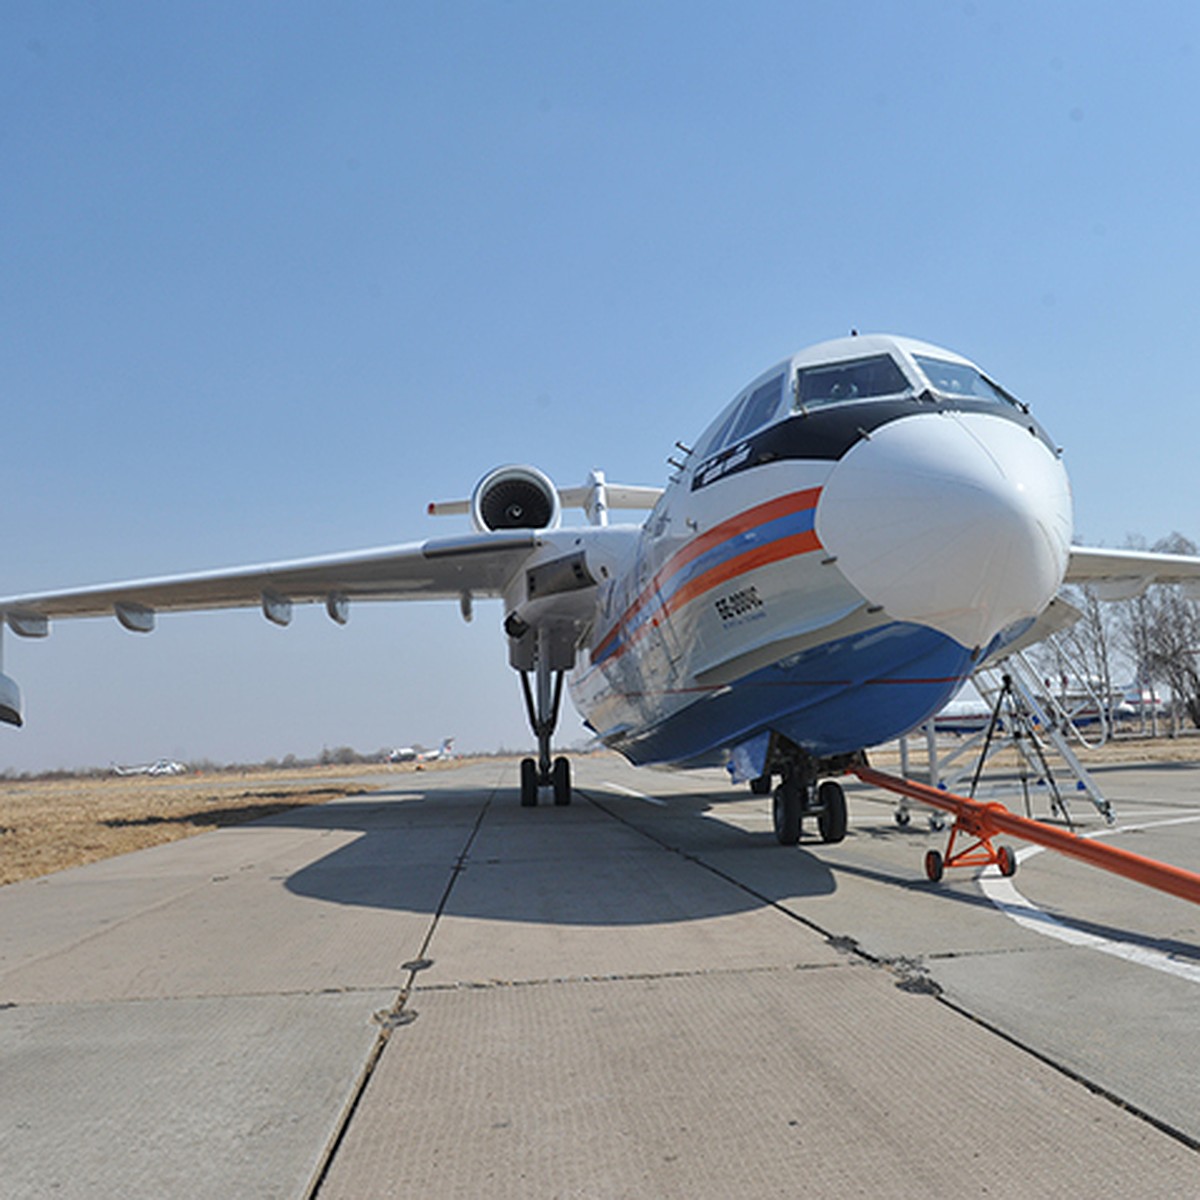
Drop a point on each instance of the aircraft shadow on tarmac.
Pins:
(602, 863)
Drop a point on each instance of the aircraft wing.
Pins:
(441, 568)
(1112, 575)
(1123, 574)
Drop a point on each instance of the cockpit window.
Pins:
(720, 436)
(834, 383)
(759, 409)
(745, 416)
(958, 379)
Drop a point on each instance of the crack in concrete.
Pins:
(912, 976)
(485, 985)
(395, 1017)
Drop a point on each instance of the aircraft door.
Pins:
(663, 633)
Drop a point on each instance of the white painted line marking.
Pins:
(617, 787)
(1004, 895)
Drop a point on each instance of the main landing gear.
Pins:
(796, 798)
(534, 778)
(542, 702)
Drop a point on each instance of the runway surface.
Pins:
(431, 991)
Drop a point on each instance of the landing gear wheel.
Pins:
(937, 822)
(762, 785)
(1006, 860)
(529, 783)
(902, 817)
(560, 778)
(935, 866)
(831, 820)
(786, 806)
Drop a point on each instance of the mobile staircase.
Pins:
(1029, 719)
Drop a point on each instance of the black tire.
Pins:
(902, 817)
(560, 778)
(935, 865)
(762, 785)
(831, 820)
(529, 783)
(787, 803)
(1006, 860)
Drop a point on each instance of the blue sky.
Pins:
(273, 276)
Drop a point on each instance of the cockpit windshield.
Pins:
(958, 379)
(858, 379)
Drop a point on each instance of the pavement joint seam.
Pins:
(487, 985)
(392, 1018)
(912, 976)
(1091, 1085)
(192, 997)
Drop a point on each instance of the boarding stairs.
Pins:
(1027, 718)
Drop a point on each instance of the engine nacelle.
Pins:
(515, 498)
(10, 701)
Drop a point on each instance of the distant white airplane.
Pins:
(162, 766)
(969, 712)
(861, 527)
(412, 754)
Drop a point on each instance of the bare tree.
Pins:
(1084, 650)
(1161, 632)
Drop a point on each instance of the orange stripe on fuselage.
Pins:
(781, 506)
(760, 514)
(760, 556)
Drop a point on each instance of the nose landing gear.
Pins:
(796, 798)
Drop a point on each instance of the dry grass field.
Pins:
(49, 824)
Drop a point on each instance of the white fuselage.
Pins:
(826, 566)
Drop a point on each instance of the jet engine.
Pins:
(10, 701)
(515, 498)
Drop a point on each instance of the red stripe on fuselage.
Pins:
(760, 514)
(760, 556)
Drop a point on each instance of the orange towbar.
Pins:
(986, 821)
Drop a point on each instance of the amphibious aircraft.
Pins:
(861, 527)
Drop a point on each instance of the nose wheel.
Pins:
(794, 799)
(831, 812)
(787, 811)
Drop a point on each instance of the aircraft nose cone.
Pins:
(959, 521)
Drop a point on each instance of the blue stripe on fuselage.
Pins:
(788, 525)
(835, 699)
(760, 535)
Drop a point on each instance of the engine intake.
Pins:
(515, 498)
